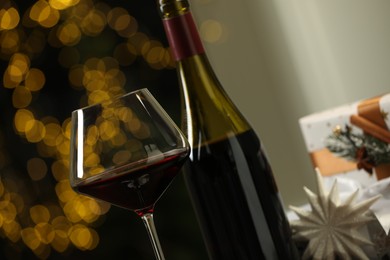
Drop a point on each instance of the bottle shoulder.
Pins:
(211, 112)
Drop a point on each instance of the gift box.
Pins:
(351, 141)
(351, 144)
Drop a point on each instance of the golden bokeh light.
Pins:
(8, 211)
(83, 237)
(138, 40)
(118, 18)
(156, 57)
(108, 112)
(64, 191)
(35, 79)
(51, 20)
(212, 31)
(37, 10)
(77, 210)
(13, 76)
(76, 76)
(21, 61)
(108, 129)
(67, 26)
(12, 79)
(101, 77)
(64, 147)
(62, 4)
(15, 73)
(39, 214)
(61, 223)
(44, 14)
(119, 139)
(94, 80)
(109, 64)
(9, 42)
(12, 230)
(21, 97)
(122, 22)
(116, 79)
(92, 135)
(36, 168)
(60, 170)
(81, 10)
(96, 207)
(121, 157)
(30, 238)
(93, 23)
(134, 124)
(143, 132)
(53, 130)
(98, 96)
(66, 127)
(125, 114)
(35, 132)
(22, 120)
(91, 160)
(9, 18)
(69, 34)
(60, 241)
(45, 232)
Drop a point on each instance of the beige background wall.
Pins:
(283, 59)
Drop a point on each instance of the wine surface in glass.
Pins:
(135, 189)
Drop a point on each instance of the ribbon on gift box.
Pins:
(329, 164)
(371, 118)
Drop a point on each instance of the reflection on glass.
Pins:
(126, 152)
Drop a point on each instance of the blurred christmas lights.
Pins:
(62, 24)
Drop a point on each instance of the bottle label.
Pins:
(183, 36)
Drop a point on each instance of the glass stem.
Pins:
(149, 224)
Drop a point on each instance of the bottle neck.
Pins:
(210, 115)
(180, 28)
(172, 8)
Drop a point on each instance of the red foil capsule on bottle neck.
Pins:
(183, 36)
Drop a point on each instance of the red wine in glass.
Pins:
(136, 188)
(127, 151)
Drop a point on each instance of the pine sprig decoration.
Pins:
(364, 149)
(378, 150)
(344, 143)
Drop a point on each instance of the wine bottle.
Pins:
(228, 176)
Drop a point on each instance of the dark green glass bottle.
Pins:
(229, 178)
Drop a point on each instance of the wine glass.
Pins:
(127, 151)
